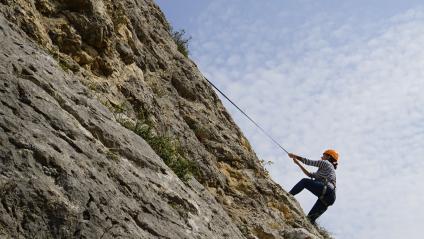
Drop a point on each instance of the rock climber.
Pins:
(322, 183)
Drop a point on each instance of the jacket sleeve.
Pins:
(315, 163)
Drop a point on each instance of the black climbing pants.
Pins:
(316, 187)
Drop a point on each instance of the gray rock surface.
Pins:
(69, 170)
(70, 71)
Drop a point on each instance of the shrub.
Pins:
(167, 148)
(181, 40)
(324, 232)
(110, 154)
(171, 153)
(144, 130)
(126, 123)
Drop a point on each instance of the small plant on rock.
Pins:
(166, 147)
(170, 151)
(111, 154)
(181, 40)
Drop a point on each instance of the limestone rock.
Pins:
(125, 52)
(298, 233)
(72, 75)
(68, 169)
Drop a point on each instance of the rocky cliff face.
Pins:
(108, 131)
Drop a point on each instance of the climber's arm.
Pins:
(296, 161)
(315, 163)
(303, 169)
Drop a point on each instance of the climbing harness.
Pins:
(257, 125)
(324, 190)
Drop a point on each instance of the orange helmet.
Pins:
(333, 153)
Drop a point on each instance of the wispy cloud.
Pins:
(329, 80)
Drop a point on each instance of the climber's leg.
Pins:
(313, 186)
(317, 210)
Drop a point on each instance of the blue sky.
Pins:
(322, 74)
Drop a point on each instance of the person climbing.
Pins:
(322, 184)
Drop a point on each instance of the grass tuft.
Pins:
(166, 147)
(181, 40)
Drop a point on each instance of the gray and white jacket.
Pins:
(325, 172)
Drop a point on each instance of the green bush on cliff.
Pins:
(166, 147)
(181, 40)
(169, 150)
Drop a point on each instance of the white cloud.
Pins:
(329, 81)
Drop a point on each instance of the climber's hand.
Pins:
(293, 156)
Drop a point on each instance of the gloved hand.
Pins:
(293, 156)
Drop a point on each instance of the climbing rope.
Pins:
(256, 124)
